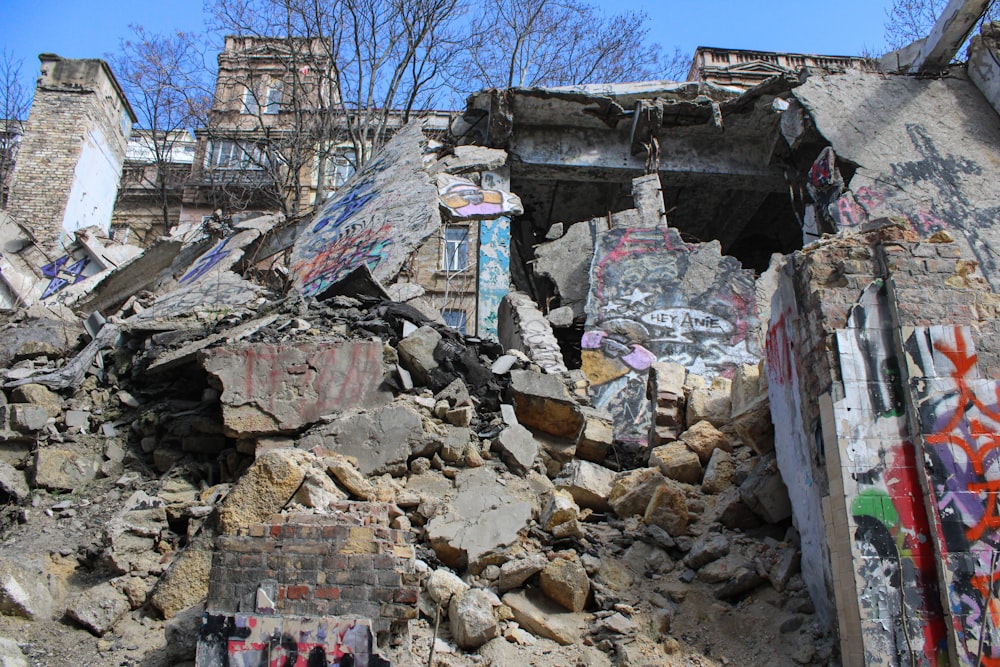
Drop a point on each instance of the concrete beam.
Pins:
(947, 35)
(593, 156)
(984, 70)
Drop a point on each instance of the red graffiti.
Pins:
(778, 348)
(868, 198)
(822, 170)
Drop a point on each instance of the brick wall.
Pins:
(345, 563)
(882, 350)
(74, 100)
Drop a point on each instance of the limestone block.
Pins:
(518, 448)
(543, 402)
(39, 395)
(560, 515)
(318, 491)
(264, 489)
(633, 490)
(754, 425)
(745, 388)
(10, 654)
(349, 477)
(544, 618)
(719, 472)
(472, 620)
(765, 493)
(181, 633)
(703, 439)
(588, 483)
(13, 483)
(185, 582)
(28, 418)
(98, 608)
(667, 508)
(676, 461)
(515, 572)
(484, 516)
(416, 352)
(65, 467)
(707, 548)
(713, 405)
(566, 583)
(23, 591)
(596, 436)
(442, 585)
(669, 378)
(379, 441)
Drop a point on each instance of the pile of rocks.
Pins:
(532, 536)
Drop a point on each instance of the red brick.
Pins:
(328, 592)
(298, 592)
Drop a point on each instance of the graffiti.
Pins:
(249, 640)
(778, 349)
(892, 543)
(464, 200)
(633, 322)
(62, 274)
(206, 262)
(959, 417)
(494, 273)
(377, 220)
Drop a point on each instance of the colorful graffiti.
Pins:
(206, 262)
(464, 200)
(494, 273)
(959, 418)
(892, 546)
(698, 312)
(249, 640)
(65, 271)
(382, 214)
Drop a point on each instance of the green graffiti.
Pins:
(878, 505)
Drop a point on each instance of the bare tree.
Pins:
(558, 42)
(164, 77)
(320, 84)
(15, 101)
(910, 20)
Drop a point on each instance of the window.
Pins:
(226, 154)
(273, 105)
(250, 105)
(455, 318)
(339, 168)
(456, 249)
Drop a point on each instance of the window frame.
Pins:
(450, 259)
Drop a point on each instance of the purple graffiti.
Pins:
(206, 263)
(61, 275)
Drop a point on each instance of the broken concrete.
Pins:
(266, 389)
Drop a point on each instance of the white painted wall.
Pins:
(95, 185)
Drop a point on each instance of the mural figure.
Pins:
(634, 320)
(464, 200)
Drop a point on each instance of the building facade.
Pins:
(744, 69)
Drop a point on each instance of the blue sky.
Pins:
(94, 28)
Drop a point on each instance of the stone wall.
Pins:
(883, 430)
(67, 172)
(347, 564)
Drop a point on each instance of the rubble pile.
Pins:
(532, 542)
